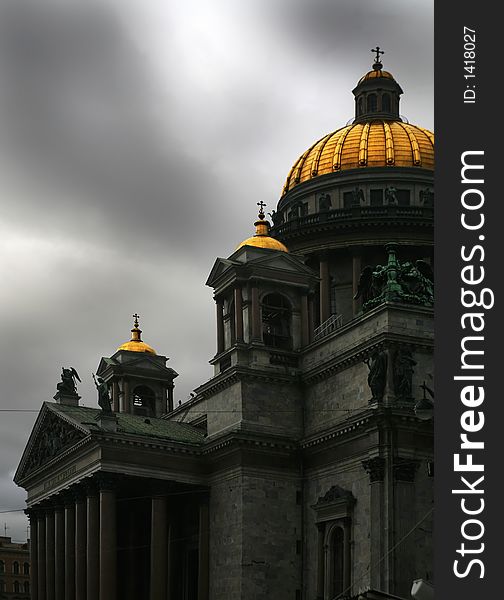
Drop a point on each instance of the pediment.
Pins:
(221, 265)
(51, 435)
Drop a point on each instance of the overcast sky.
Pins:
(135, 139)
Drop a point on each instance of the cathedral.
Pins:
(303, 469)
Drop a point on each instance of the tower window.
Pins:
(26, 568)
(15, 567)
(403, 197)
(26, 586)
(276, 317)
(16, 587)
(2, 566)
(371, 103)
(360, 107)
(144, 401)
(386, 102)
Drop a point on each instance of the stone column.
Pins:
(50, 556)
(356, 271)
(80, 546)
(69, 548)
(305, 335)
(108, 540)
(169, 392)
(159, 548)
(325, 304)
(404, 471)
(256, 314)
(41, 556)
(375, 468)
(238, 314)
(220, 325)
(59, 552)
(32, 515)
(320, 561)
(126, 400)
(115, 396)
(203, 550)
(92, 543)
(311, 317)
(170, 559)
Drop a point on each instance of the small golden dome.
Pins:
(136, 344)
(262, 239)
(375, 74)
(379, 143)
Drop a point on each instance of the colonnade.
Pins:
(75, 551)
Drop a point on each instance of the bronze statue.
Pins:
(324, 202)
(403, 374)
(67, 385)
(390, 196)
(103, 394)
(377, 377)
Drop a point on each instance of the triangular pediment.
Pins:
(51, 435)
(221, 265)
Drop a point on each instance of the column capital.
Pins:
(106, 482)
(375, 467)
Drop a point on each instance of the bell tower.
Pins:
(138, 378)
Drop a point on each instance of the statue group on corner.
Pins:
(68, 386)
(408, 282)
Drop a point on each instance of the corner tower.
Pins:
(140, 382)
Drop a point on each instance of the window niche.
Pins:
(144, 401)
(334, 520)
(276, 321)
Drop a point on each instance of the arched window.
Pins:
(360, 108)
(16, 587)
(2, 586)
(2, 566)
(385, 102)
(371, 103)
(276, 321)
(15, 567)
(26, 568)
(336, 564)
(26, 586)
(144, 401)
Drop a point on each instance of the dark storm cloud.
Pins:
(78, 120)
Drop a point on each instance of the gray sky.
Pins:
(135, 139)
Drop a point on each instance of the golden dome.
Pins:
(374, 75)
(136, 344)
(379, 143)
(262, 239)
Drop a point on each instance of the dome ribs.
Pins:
(363, 145)
(415, 148)
(316, 158)
(389, 144)
(339, 147)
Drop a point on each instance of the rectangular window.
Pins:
(376, 197)
(403, 197)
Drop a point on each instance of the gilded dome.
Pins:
(136, 344)
(262, 238)
(378, 143)
(375, 74)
